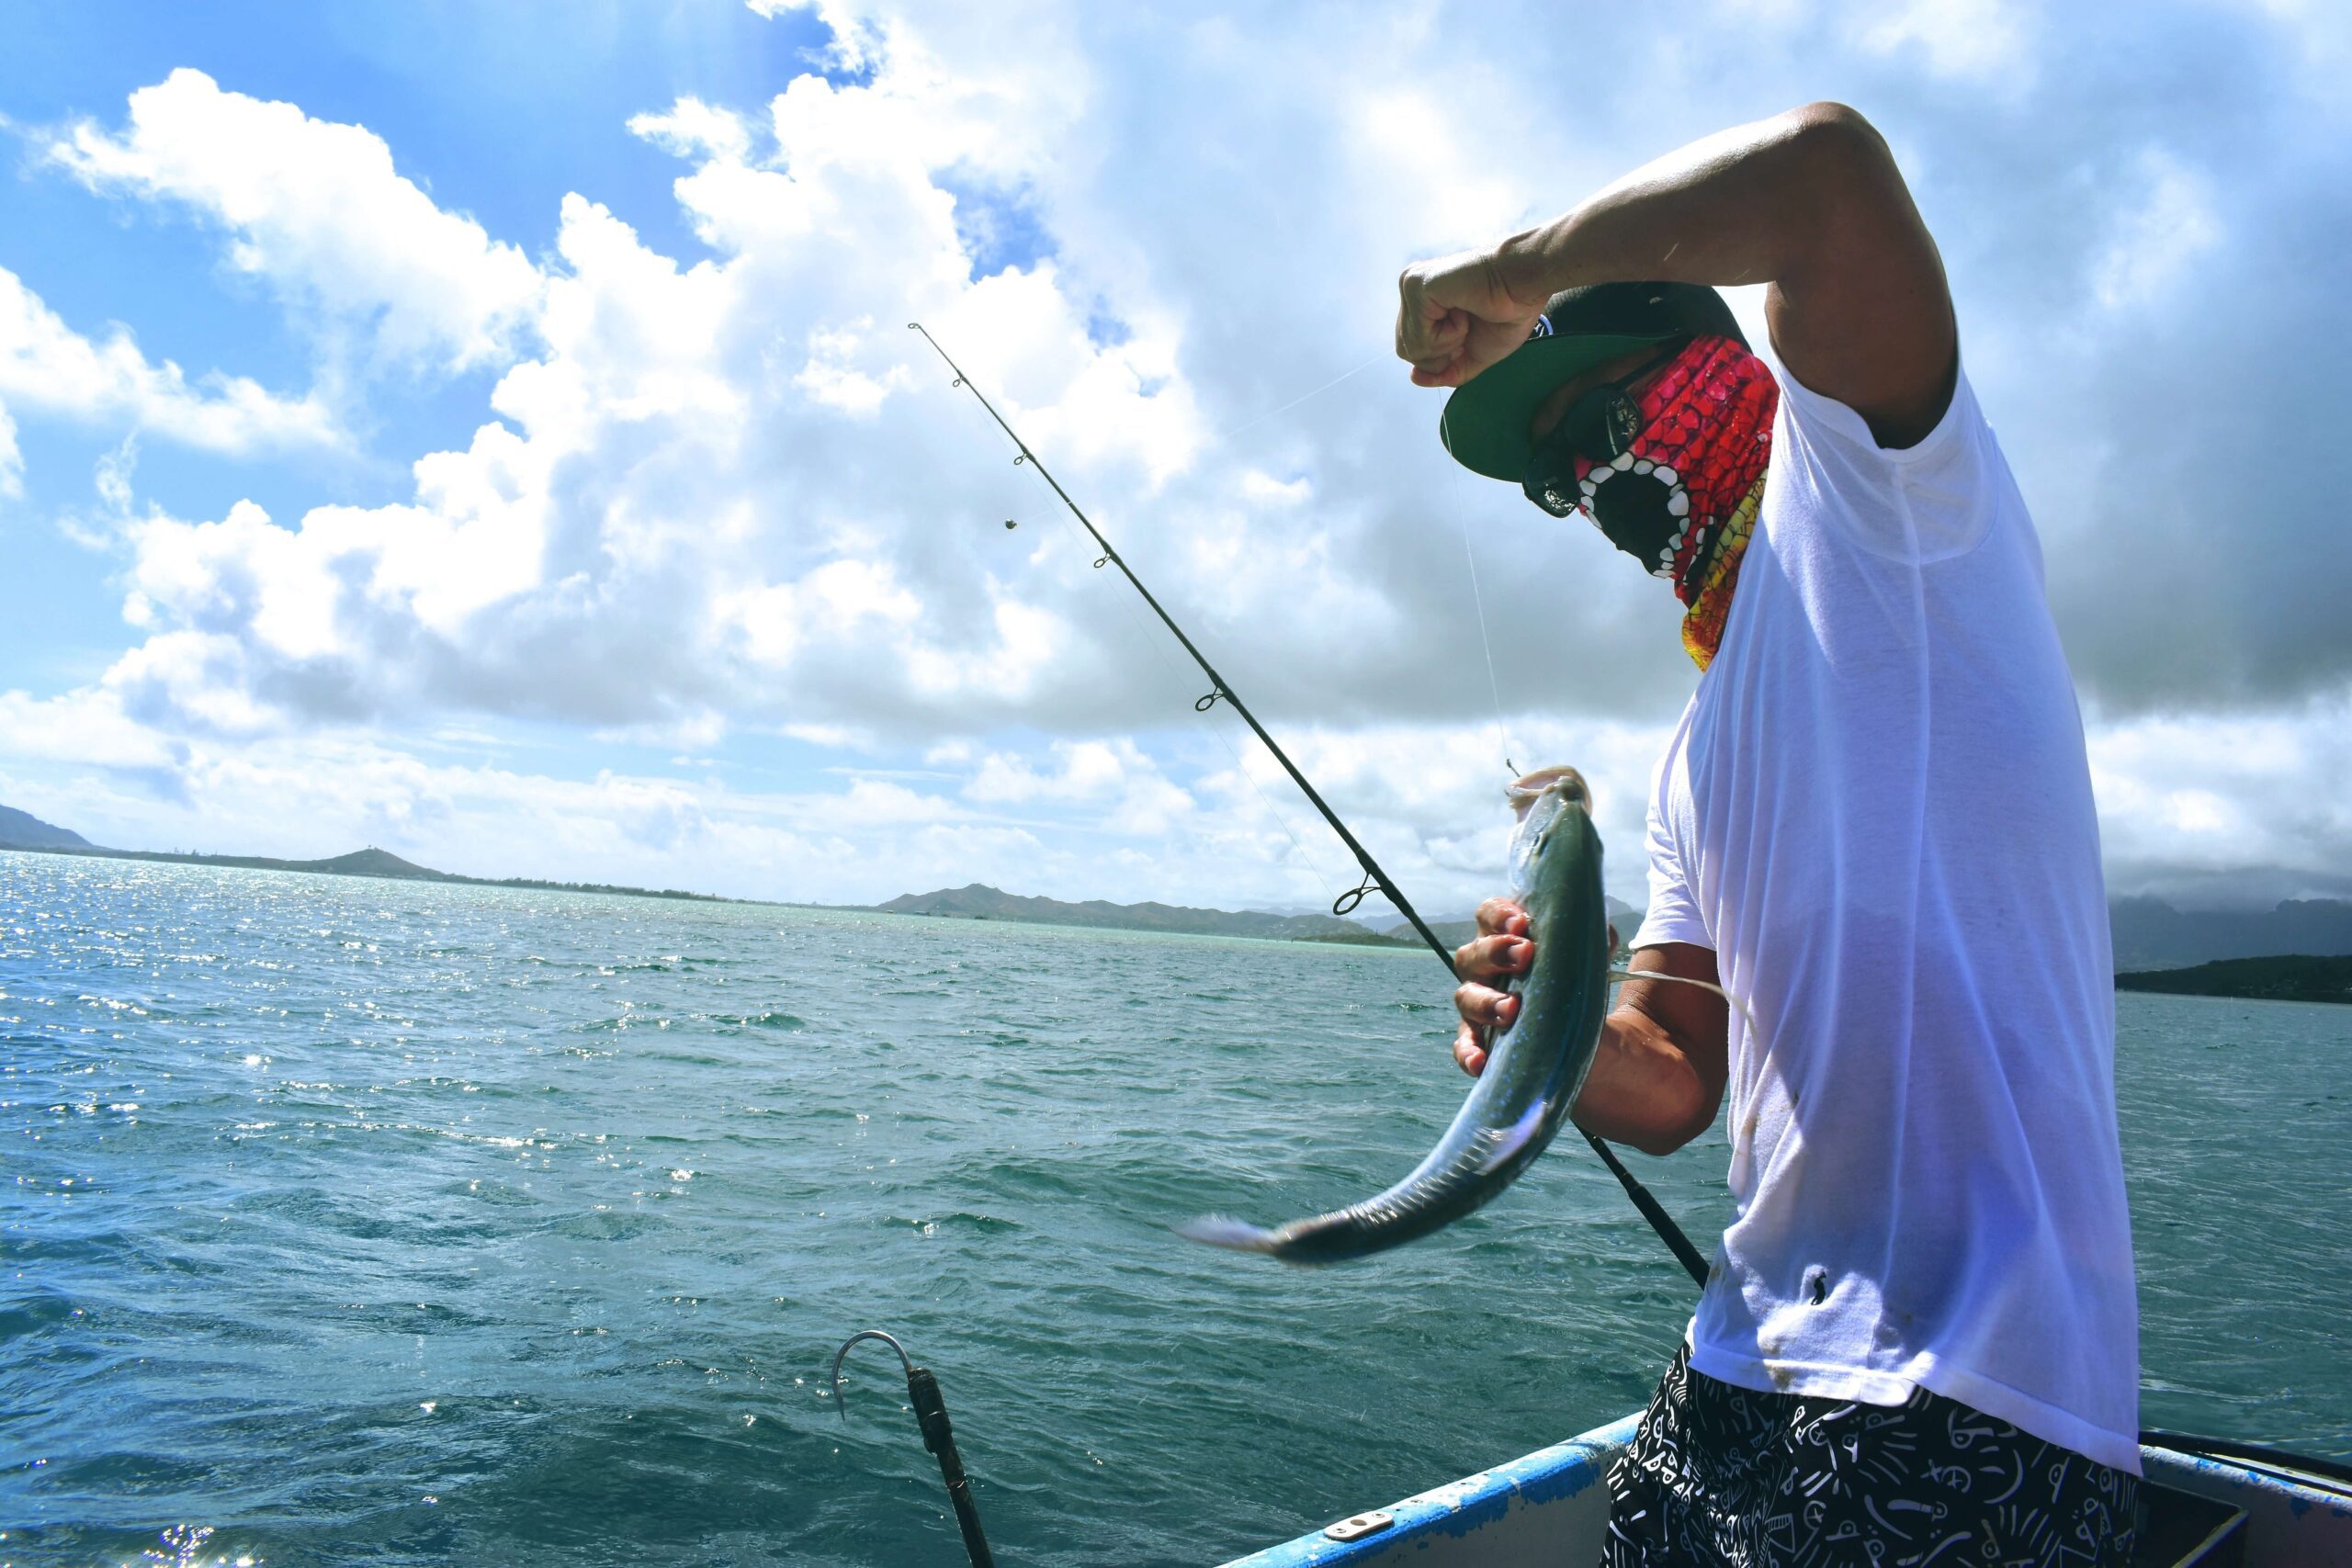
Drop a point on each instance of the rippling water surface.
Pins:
(360, 1222)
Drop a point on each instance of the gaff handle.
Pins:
(938, 1436)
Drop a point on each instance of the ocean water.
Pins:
(353, 1221)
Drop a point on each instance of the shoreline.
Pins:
(380, 865)
(2284, 977)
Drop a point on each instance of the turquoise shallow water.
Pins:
(357, 1221)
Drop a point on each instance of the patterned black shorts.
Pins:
(1721, 1475)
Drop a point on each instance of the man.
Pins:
(1918, 1342)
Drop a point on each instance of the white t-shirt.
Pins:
(1877, 811)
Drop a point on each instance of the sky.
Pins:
(491, 433)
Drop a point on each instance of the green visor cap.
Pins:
(1485, 422)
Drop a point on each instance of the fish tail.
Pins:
(1223, 1230)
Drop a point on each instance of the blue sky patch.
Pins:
(999, 228)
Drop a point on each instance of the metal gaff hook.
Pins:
(904, 1360)
(938, 1436)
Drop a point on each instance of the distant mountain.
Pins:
(373, 862)
(19, 831)
(977, 901)
(22, 830)
(2294, 980)
(2152, 934)
(2149, 933)
(980, 902)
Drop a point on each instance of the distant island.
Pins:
(2152, 934)
(21, 830)
(2211, 952)
(979, 901)
(2291, 978)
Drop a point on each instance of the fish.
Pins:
(1534, 1070)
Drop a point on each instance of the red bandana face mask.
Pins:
(1681, 491)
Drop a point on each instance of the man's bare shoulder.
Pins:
(1863, 312)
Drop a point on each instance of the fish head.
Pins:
(1536, 802)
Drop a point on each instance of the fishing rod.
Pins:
(1374, 878)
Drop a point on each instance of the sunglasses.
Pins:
(1598, 426)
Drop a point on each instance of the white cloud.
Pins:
(675, 517)
(2156, 245)
(1417, 141)
(695, 129)
(111, 478)
(2250, 800)
(733, 496)
(828, 378)
(317, 210)
(48, 366)
(86, 727)
(1113, 777)
(312, 796)
(855, 36)
(2191, 807)
(1984, 41)
(1058, 828)
(12, 460)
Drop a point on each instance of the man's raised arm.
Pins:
(1809, 201)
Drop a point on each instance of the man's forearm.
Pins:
(1644, 1088)
(1738, 207)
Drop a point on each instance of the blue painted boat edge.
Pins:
(2313, 1505)
(2311, 1511)
(1460, 1507)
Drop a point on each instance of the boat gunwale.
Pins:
(1565, 1470)
(1458, 1507)
(2290, 1468)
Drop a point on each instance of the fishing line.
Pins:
(1166, 661)
(1494, 686)
(1249, 423)
(1271, 809)
(1502, 744)
(1375, 880)
(1219, 439)
(1159, 653)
